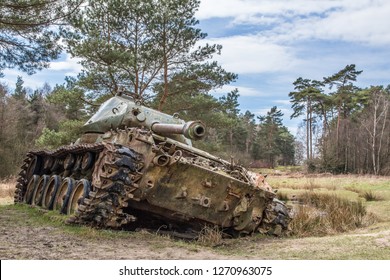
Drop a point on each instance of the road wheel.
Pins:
(62, 196)
(87, 161)
(34, 166)
(50, 192)
(77, 196)
(32, 184)
(38, 192)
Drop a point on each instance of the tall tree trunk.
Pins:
(346, 149)
(231, 140)
(338, 133)
(311, 129)
(166, 89)
(384, 116)
(307, 134)
(137, 90)
(2, 114)
(165, 63)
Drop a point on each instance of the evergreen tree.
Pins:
(273, 142)
(305, 100)
(344, 101)
(138, 44)
(20, 92)
(26, 40)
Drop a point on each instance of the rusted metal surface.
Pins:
(146, 176)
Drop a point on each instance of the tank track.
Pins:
(276, 219)
(114, 180)
(109, 185)
(28, 168)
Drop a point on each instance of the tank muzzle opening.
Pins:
(199, 131)
(195, 130)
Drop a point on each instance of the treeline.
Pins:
(347, 128)
(48, 118)
(43, 118)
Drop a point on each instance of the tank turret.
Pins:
(124, 111)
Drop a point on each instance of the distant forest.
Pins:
(345, 128)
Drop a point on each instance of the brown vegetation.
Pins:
(370, 196)
(210, 236)
(7, 189)
(324, 214)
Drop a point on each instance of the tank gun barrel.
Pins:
(194, 130)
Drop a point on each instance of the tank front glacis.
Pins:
(122, 173)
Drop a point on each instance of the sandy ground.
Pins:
(20, 239)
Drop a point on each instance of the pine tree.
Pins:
(26, 40)
(138, 45)
(343, 100)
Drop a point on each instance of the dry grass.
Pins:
(303, 183)
(370, 196)
(282, 196)
(325, 214)
(210, 236)
(353, 183)
(353, 189)
(7, 190)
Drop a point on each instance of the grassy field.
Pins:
(370, 240)
(351, 187)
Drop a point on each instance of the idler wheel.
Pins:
(30, 189)
(77, 196)
(62, 197)
(50, 192)
(38, 192)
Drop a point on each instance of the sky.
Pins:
(271, 43)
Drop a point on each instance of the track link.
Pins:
(115, 175)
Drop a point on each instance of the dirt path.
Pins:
(21, 239)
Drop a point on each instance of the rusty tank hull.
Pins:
(148, 176)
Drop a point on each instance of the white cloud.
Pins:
(243, 91)
(70, 65)
(283, 101)
(281, 47)
(293, 129)
(367, 25)
(362, 21)
(251, 54)
(263, 111)
(241, 9)
(55, 74)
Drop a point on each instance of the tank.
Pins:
(136, 167)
